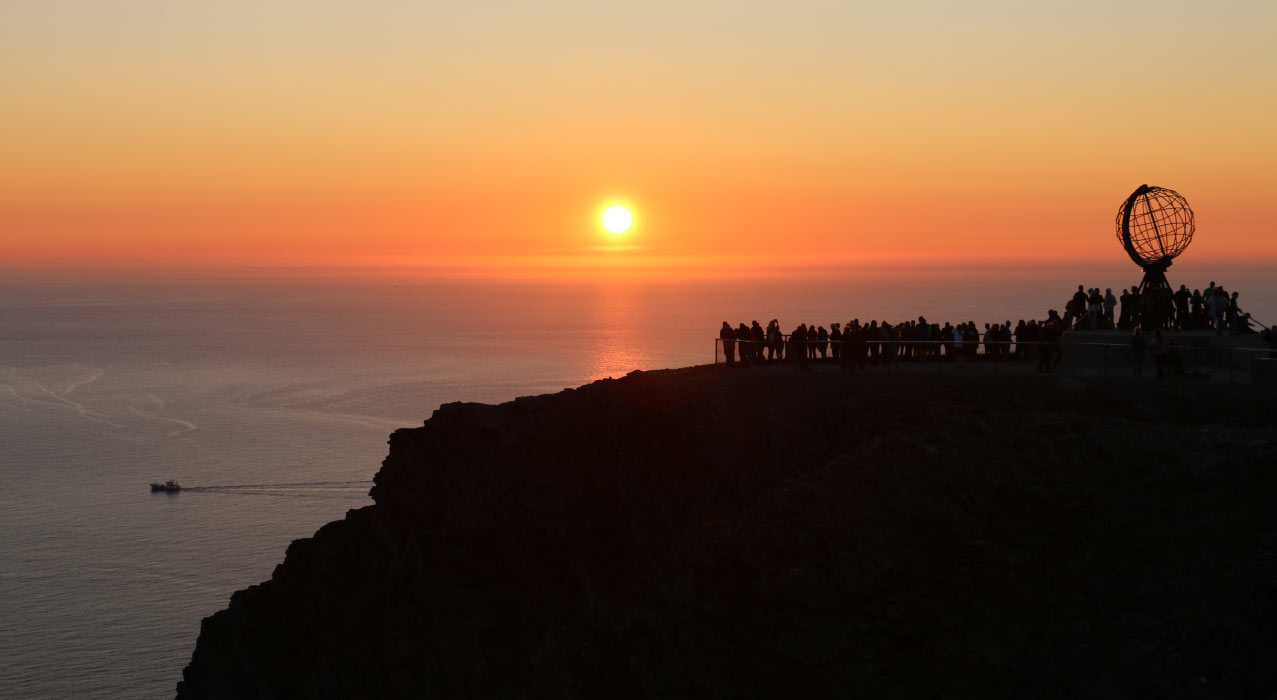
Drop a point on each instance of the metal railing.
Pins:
(1105, 358)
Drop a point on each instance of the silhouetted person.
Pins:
(859, 345)
(891, 345)
(1094, 309)
(1110, 301)
(1218, 304)
(759, 339)
(798, 347)
(1234, 315)
(1050, 355)
(871, 334)
(922, 333)
(835, 342)
(1207, 296)
(1075, 307)
(728, 336)
(1182, 297)
(744, 339)
(959, 344)
(1198, 303)
(822, 341)
(775, 341)
(847, 362)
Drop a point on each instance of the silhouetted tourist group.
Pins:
(1157, 308)
(855, 345)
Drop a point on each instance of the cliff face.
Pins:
(706, 533)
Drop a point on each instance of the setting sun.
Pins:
(617, 219)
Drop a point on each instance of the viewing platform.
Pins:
(1190, 356)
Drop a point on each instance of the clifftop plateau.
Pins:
(722, 534)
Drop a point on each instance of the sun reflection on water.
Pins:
(619, 347)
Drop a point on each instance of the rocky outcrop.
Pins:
(721, 534)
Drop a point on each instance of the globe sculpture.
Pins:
(1154, 225)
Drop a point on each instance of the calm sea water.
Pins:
(274, 401)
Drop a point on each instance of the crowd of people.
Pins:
(855, 345)
(1157, 307)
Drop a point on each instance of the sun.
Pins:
(617, 219)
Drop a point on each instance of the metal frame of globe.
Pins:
(1154, 225)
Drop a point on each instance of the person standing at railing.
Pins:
(744, 346)
(1110, 301)
(891, 348)
(835, 342)
(775, 341)
(1182, 297)
(946, 341)
(822, 341)
(1094, 309)
(1049, 353)
(1137, 307)
(1044, 355)
(860, 346)
(1075, 308)
(1218, 307)
(728, 337)
(798, 347)
(1234, 316)
(971, 335)
(759, 339)
(922, 332)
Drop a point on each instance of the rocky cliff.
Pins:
(704, 533)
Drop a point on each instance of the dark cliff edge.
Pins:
(704, 533)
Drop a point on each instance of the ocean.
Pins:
(271, 399)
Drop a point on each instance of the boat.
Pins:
(169, 486)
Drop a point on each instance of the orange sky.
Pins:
(741, 133)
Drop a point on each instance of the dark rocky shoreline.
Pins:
(704, 533)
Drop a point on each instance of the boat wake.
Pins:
(301, 489)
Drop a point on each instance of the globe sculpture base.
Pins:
(1154, 279)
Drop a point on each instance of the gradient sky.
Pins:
(485, 133)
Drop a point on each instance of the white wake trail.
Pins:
(75, 385)
(79, 408)
(152, 398)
